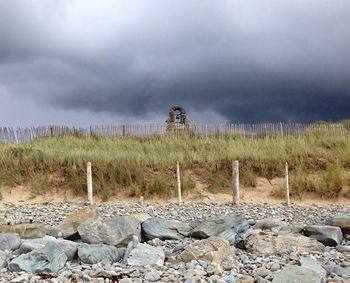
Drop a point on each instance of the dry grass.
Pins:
(146, 166)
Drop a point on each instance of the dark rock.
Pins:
(92, 254)
(327, 235)
(69, 247)
(341, 221)
(164, 229)
(116, 231)
(233, 228)
(51, 258)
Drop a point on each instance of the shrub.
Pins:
(331, 183)
(217, 183)
(278, 192)
(249, 178)
(40, 183)
(298, 183)
(187, 184)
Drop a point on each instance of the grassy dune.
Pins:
(146, 166)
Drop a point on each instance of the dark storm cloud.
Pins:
(248, 61)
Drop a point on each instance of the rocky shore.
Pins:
(197, 242)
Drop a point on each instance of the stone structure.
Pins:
(177, 120)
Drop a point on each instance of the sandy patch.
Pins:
(260, 194)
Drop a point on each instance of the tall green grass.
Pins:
(146, 166)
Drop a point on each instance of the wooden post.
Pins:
(89, 183)
(287, 184)
(235, 181)
(178, 182)
(281, 129)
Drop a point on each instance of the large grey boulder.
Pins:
(164, 229)
(51, 258)
(297, 274)
(311, 263)
(327, 235)
(70, 248)
(116, 231)
(9, 241)
(92, 254)
(146, 255)
(233, 228)
(341, 221)
(68, 228)
(267, 243)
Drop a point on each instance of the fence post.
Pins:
(124, 131)
(178, 182)
(287, 184)
(89, 183)
(281, 129)
(235, 181)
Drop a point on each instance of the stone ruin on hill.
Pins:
(177, 120)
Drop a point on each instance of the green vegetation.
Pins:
(146, 166)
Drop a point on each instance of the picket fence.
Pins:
(19, 134)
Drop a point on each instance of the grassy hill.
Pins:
(146, 166)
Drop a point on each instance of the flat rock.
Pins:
(68, 228)
(51, 258)
(341, 221)
(70, 248)
(117, 231)
(213, 249)
(311, 263)
(269, 224)
(26, 231)
(233, 228)
(93, 254)
(297, 274)
(271, 244)
(146, 255)
(327, 235)
(9, 241)
(164, 229)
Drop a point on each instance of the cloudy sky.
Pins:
(82, 62)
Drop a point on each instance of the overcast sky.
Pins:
(82, 62)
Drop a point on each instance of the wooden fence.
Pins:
(10, 134)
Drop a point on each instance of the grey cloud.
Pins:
(247, 61)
